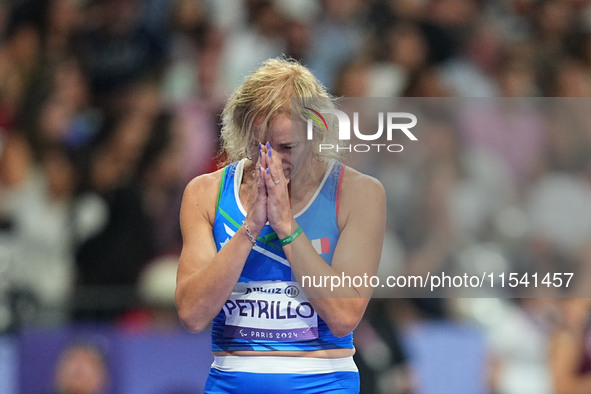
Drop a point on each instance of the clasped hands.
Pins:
(271, 197)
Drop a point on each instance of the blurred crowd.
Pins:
(109, 107)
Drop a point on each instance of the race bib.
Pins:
(270, 310)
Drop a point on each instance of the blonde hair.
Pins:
(279, 86)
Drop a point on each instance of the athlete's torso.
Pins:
(268, 311)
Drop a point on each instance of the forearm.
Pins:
(340, 307)
(201, 293)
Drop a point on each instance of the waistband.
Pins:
(292, 365)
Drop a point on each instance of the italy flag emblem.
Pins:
(322, 245)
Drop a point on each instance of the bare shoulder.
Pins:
(358, 185)
(201, 193)
(360, 194)
(205, 183)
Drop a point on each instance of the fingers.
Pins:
(273, 171)
(265, 157)
(261, 184)
(272, 166)
(260, 176)
(263, 154)
(274, 163)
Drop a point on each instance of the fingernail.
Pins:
(268, 145)
(269, 152)
(268, 172)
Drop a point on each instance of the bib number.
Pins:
(277, 311)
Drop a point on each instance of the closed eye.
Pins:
(287, 146)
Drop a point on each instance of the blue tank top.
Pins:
(267, 309)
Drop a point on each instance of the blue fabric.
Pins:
(318, 221)
(278, 383)
(447, 357)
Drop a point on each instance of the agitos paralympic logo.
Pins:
(392, 120)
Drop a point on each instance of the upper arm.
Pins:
(362, 222)
(196, 217)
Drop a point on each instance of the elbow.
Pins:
(189, 317)
(344, 318)
(343, 326)
(194, 327)
(192, 324)
(340, 332)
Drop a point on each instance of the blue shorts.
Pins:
(313, 376)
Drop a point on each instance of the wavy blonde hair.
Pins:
(279, 86)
